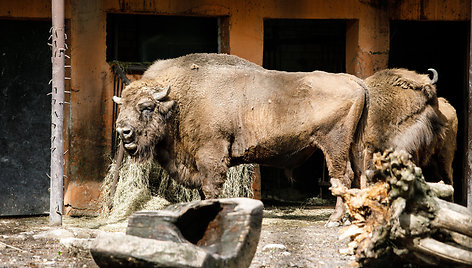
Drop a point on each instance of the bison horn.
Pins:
(435, 76)
(117, 100)
(161, 94)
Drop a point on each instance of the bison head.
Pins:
(141, 123)
(406, 79)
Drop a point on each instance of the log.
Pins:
(454, 207)
(121, 250)
(448, 253)
(459, 239)
(454, 221)
(208, 233)
(400, 219)
(441, 190)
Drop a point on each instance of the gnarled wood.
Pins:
(441, 190)
(400, 220)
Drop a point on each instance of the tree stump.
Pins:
(399, 219)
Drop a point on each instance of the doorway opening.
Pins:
(442, 45)
(25, 117)
(301, 45)
(146, 38)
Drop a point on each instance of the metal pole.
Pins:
(468, 174)
(57, 113)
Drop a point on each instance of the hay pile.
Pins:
(146, 186)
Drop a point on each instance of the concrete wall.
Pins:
(89, 121)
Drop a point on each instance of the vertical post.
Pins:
(256, 183)
(57, 114)
(467, 184)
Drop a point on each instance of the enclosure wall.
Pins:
(89, 122)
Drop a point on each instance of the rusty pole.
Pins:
(57, 113)
(468, 178)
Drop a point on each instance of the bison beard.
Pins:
(222, 111)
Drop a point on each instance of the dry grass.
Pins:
(147, 186)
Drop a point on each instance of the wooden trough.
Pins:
(209, 233)
(400, 220)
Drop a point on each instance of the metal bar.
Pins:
(121, 74)
(140, 68)
(120, 80)
(114, 115)
(57, 114)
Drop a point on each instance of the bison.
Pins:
(199, 114)
(439, 166)
(404, 113)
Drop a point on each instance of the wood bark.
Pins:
(400, 219)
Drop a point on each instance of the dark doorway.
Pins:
(146, 38)
(304, 46)
(25, 125)
(443, 46)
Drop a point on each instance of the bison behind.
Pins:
(404, 113)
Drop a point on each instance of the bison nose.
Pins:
(126, 133)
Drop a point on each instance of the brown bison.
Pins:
(439, 166)
(404, 113)
(202, 113)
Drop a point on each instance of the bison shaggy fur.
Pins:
(404, 113)
(202, 113)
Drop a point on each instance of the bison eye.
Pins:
(146, 108)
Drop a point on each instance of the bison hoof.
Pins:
(343, 222)
(331, 224)
(338, 218)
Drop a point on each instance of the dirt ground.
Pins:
(290, 237)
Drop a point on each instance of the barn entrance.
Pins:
(443, 46)
(25, 124)
(301, 45)
(146, 38)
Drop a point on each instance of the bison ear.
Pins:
(165, 106)
(117, 100)
(161, 94)
(429, 90)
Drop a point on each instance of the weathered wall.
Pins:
(367, 42)
(88, 161)
(41, 11)
(450, 10)
(90, 119)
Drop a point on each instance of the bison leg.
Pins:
(341, 173)
(340, 209)
(212, 164)
(336, 180)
